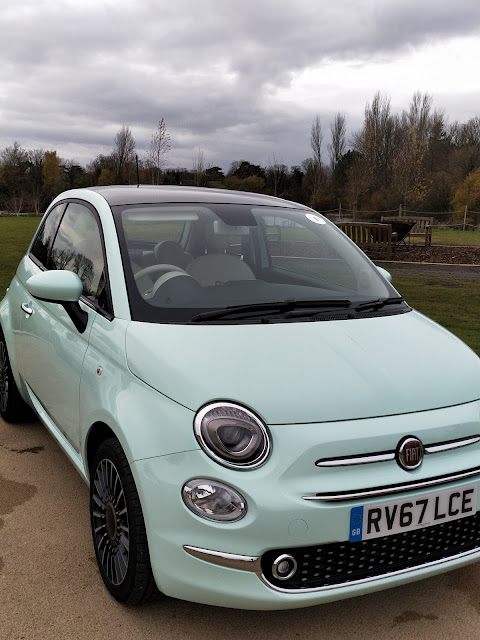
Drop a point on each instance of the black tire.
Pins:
(13, 407)
(118, 528)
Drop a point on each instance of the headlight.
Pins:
(232, 435)
(214, 500)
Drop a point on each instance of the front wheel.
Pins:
(118, 528)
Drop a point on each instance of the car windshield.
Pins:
(241, 263)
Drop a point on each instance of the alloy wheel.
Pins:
(4, 377)
(110, 522)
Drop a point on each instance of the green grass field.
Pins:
(15, 236)
(453, 302)
(453, 237)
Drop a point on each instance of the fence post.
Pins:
(400, 211)
(339, 211)
(465, 217)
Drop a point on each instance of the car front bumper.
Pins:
(224, 564)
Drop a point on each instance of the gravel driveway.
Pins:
(468, 272)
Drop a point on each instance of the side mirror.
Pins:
(386, 274)
(63, 287)
(55, 286)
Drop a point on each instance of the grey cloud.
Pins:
(73, 72)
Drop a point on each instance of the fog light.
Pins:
(284, 567)
(214, 500)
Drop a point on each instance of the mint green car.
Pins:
(264, 423)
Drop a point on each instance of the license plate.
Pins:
(388, 518)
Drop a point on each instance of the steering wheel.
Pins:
(170, 278)
(157, 269)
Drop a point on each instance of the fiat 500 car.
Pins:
(263, 421)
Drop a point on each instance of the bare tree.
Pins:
(199, 169)
(419, 116)
(358, 180)
(409, 175)
(466, 147)
(411, 159)
(377, 140)
(123, 153)
(314, 174)
(36, 158)
(439, 143)
(316, 138)
(338, 145)
(159, 148)
(15, 165)
(276, 175)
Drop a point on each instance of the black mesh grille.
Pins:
(343, 562)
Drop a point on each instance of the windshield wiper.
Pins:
(378, 303)
(265, 309)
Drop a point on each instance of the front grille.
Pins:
(344, 562)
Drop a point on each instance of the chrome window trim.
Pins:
(396, 488)
(385, 456)
(384, 576)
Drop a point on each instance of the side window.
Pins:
(78, 247)
(43, 241)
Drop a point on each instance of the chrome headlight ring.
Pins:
(232, 435)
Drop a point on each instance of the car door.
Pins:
(52, 349)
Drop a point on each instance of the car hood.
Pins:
(308, 371)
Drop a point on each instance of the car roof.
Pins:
(149, 194)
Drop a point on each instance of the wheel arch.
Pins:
(99, 432)
(6, 332)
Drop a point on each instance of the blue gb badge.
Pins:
(356, 524)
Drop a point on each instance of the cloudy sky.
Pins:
(237, 80)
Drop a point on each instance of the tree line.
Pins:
(416, 158)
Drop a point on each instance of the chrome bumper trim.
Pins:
(384, 456)
(453, 444)
(252, 564)
(366, 459)
(384, 576)
(230, 560)
(396, 488)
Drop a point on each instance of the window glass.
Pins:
(153, 231)
(78, 248)
(44, 239)
(235, 255)
(294, 247)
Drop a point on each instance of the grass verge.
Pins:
(452, 237)
(15, 236)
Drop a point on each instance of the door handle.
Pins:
(28, 310)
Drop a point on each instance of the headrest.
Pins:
(170, 252)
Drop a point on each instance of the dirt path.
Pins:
(50, 588)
